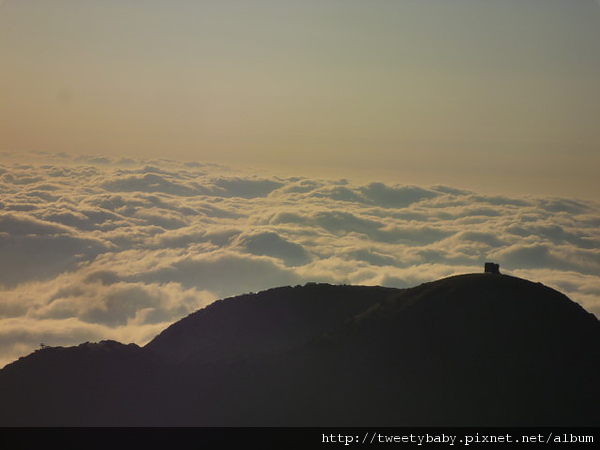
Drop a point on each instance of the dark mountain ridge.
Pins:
(272, 321)
(469, 350)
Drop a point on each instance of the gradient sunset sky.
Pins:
(502, 96)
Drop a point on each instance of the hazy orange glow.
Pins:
(440, 91)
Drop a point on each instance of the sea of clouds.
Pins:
(96, 248)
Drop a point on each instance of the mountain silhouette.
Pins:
(469, 350)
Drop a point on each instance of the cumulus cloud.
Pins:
(396, 196)
(225, 272)
(98, 248)
(34, 249)
(269, 243)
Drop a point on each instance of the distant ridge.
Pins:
(468, 350)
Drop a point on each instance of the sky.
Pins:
(495, 95)
(157, 156)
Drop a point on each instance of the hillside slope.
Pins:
(470, 350)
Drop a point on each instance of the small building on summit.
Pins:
(492, 268)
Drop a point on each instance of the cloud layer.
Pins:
(94, 248)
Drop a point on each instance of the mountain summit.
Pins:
(469, 350)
